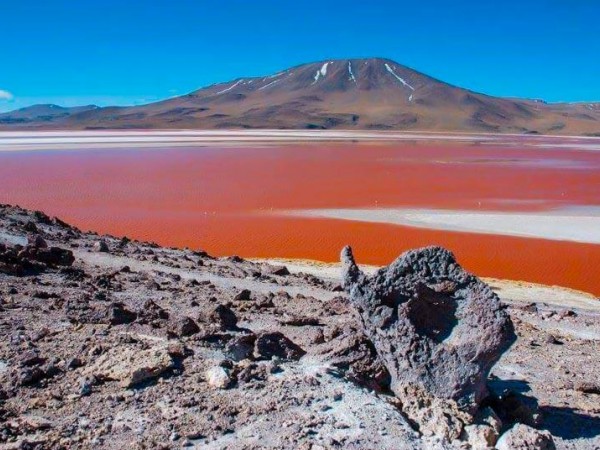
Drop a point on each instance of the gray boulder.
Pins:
(523, 437)
(437, 329)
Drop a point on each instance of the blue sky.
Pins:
(135, 51)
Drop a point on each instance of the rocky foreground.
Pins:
(112, 343)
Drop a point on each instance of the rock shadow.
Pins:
(569, 424)
(498, 386)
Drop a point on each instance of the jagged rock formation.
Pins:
(437, 328)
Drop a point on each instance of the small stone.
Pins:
(480, 436)
(37, 241)
(223, 317)
(101, 246)
(269, 345)
(243, 295)
(241, 347)
(85, 385)
(278, 270)
(587, 387)
(74, 363)
(218, 377)
(30, 358)
(31, 375)
(183, 326)
(118, 314)
(523, 437)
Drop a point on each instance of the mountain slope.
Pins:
(42, 113)
(353, 93)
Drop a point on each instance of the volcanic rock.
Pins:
(523, 437)
(37, 241)
(354, 355)
(480, 436)
(269, 345)
(277, 270)
(241, 347)
(436, 328)
(131, 366)
(183, 326)
(118, 314)
(101, 246)
(243, 295)
(218, 377)
(152, 314)
(223, 317)
(588, 387)
(51, 256)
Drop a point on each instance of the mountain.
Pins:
(42, 113)
(372, 93)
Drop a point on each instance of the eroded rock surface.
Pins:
(437, 328)
(523, 437)
(131, 366)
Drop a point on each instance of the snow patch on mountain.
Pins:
(401, 80)
(229, 88)
(322, 72)
(350, 72)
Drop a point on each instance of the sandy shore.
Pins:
(510, 291)
(65, 140)
(568, 224)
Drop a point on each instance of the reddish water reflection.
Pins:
(218, 199)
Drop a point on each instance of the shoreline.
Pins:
(509, 291)
(11, 141)
(579, 224)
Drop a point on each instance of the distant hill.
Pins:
(42, 113)
(369, 93)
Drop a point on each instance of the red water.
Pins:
(220, 199)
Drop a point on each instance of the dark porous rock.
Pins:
(241, 347)
(31, 375)
(355, 357)
(30, 227)
(277, 270)
(41, 217)
(74, 363)
(302, 322)
(118, 314)
(257, 371)
(183, 326)
(52, 256)
(19, 261)
(436, 328)
(151, 313)
(338, 305)
(588, 387)
(222, 317)
(269, 345)
(101, 246)
(37, 241)
(30, 358)
(243, 295)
